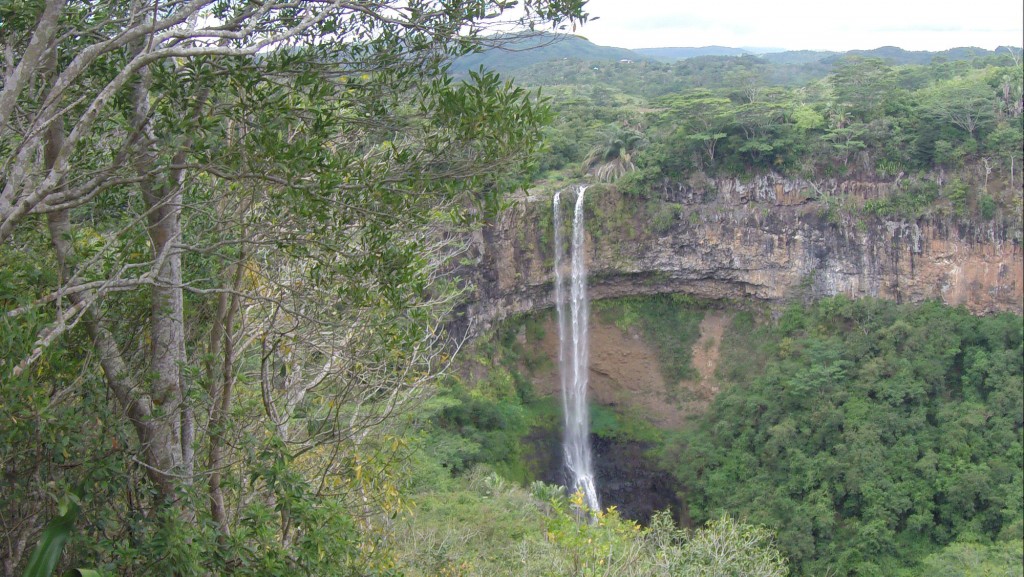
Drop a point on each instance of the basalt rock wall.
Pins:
(770, 239)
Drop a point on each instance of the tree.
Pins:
(1007, 141)
(725, 546)
(245, 208)
(965, 102)
(863, 86)
(763, 126)
(964, 559)
(702, 118)
(612, 156)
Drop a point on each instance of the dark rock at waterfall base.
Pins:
(630, 481)
(626, 478)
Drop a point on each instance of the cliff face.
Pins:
(766, 239)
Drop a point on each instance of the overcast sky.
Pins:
(806, 24)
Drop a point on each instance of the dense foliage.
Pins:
(223, 226)
(871, 435)
(484, 526)
(953, 123)
(870, 438)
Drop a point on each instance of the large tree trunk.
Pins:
(138, 405)
(168, 334)
(171, 440)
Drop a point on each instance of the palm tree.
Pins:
(612, 157)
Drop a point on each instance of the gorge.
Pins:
(767, 241)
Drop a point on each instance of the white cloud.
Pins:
(806, 24)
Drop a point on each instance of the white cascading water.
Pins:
(573, 352)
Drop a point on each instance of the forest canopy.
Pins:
(872, 436)
(842, 117)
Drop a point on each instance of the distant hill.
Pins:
(896, 56)
(762, 49)
(799, 56)
(514, 52)
(682, 53)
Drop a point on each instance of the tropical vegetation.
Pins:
(229, 239)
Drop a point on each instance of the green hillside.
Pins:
(681, 53)
(511, 53)
(527, 52)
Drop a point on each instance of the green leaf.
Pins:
(51, 545)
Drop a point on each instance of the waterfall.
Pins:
(573, 352)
